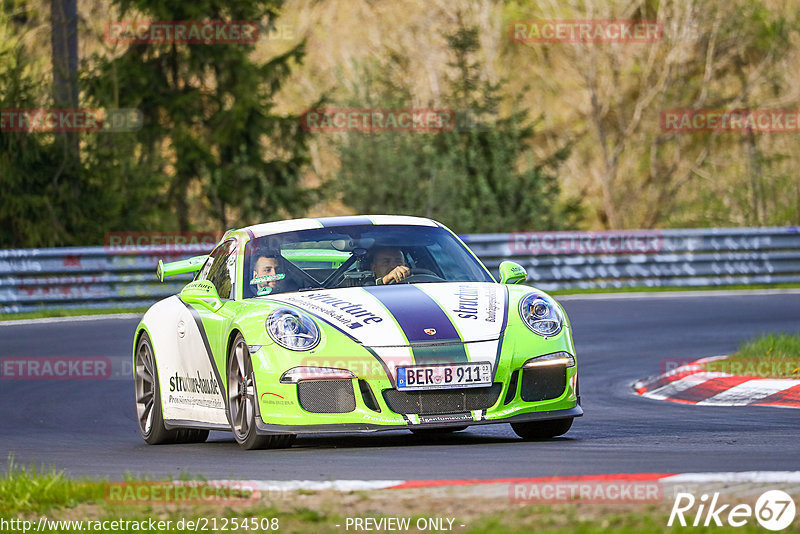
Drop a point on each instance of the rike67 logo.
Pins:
(774, 510)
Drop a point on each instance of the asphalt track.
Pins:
(89, 428)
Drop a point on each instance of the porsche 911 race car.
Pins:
(350, 324)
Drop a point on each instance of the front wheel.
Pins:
(542, 429)
(148, 401)
(242, 402)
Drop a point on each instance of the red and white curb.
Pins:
(693, 384)
(738, 482)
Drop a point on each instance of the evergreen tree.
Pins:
(480, 177)
(210, 140)
(39, 184)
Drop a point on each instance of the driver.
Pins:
(389, 265)
(267, 272)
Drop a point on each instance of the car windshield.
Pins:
(355, 256)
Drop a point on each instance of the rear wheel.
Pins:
(542, 429)
(242, 402)
(148, 401)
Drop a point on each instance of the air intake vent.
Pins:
(326, 396)
(512, 388)
(369, 398)
(543, 383)
(441, 401)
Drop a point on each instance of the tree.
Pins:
(26, 211)
(64, 44)
(712, 56)
(479, 177)
(210, 137)
(38, 181)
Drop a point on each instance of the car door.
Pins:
(198, 383)
(222, 273)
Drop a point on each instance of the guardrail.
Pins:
(647, 258)
(87, 277)
(123, 277)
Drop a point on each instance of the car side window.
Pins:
(220, 268)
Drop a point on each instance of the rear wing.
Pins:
(190, 265)
(332, 257)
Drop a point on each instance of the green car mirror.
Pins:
(512, 273)
(202, 292)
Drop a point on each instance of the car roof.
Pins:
(293, 225)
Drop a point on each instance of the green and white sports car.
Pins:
(350, 324)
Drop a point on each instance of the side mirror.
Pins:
(202, 292)
(512, 273)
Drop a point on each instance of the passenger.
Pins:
(267, 271)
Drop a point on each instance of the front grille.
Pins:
(438, 401)
(326, 396)
(543, 383)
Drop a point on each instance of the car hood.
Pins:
(409, 314)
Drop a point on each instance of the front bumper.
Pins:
(373, 405)
(370, 409)
(264, 428)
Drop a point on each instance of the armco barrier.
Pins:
(647, 258)
(100, 277)
(87, 277)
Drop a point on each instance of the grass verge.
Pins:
(769, 356)
(30, 490)
(84, 505)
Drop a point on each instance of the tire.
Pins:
(435, 431)
(148, 401)
(542, 429)
(241, 402)
(191, 435)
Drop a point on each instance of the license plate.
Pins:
(443, 376)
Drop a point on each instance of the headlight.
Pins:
(296, 374)
(541, 314)
(292, 330)
(557, 358)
